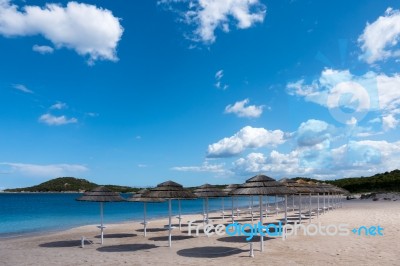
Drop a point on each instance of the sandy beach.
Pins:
(124, 244)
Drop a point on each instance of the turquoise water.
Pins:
(27, 213)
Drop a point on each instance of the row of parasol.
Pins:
(259, 185)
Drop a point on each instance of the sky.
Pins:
(139, 92)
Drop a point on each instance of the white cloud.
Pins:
(356, 158)
(22, 88)
(43, 49)
(209, 15)
(142, 165)
(59, 106)
(56, 120)
(336, 89)
(205, 167)
(241, 110)
(86, 29)
(218, 80)
(389, 122)
(247, 137)
(389, 92)
(381, 35)
(51, 170)
(276, 164)
(313, 132)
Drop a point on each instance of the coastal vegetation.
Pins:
(69, 184)
(383, 182)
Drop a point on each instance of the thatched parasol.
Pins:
(292, 184)
(227, 190)
(316, 190)
(303, 188)
(170, 190)
(208, 191)
(334, 193)
(101, 194)
(261, 185)
(140, 196)
(329, 190)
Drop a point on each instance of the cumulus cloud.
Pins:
(22, 88)
(358, 95)
(209, 15)
(337, 89)
(379, 40)
(275, 163)
(51, 170)
(313, 132)
(43, 49)
(247, 138)
(241, 110)
(52, 120)
(356, 158)
(88, 30)
(389, 122)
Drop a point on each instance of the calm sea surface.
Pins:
(27, 213)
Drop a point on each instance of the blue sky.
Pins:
(197, 91)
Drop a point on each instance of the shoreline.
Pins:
(125, 243)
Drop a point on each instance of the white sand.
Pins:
(125, 244)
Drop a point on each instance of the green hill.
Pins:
(63, 184)
(385, 182)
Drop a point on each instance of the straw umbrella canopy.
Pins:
(208, 191)
(140, 196)
(101, 194)
(170, 190)
(227, 190)
(261, 185)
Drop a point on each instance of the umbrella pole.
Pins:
(293, 201)
(300, 208)
(252, 216)
(169, 220)
(309, 209)
(207, 221)
(276, 205)
(318, 207)
(261, 223)
(285, 209)
(232, 211)
(204, 211)
(237, 207)
(180, 218)
(266, 206)
(329, 205)
(223, 211)
(144, 220)
(324, 202)
(101, 224)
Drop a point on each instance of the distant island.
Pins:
(69, 184)
(384, 182)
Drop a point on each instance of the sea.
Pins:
(23, 214)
